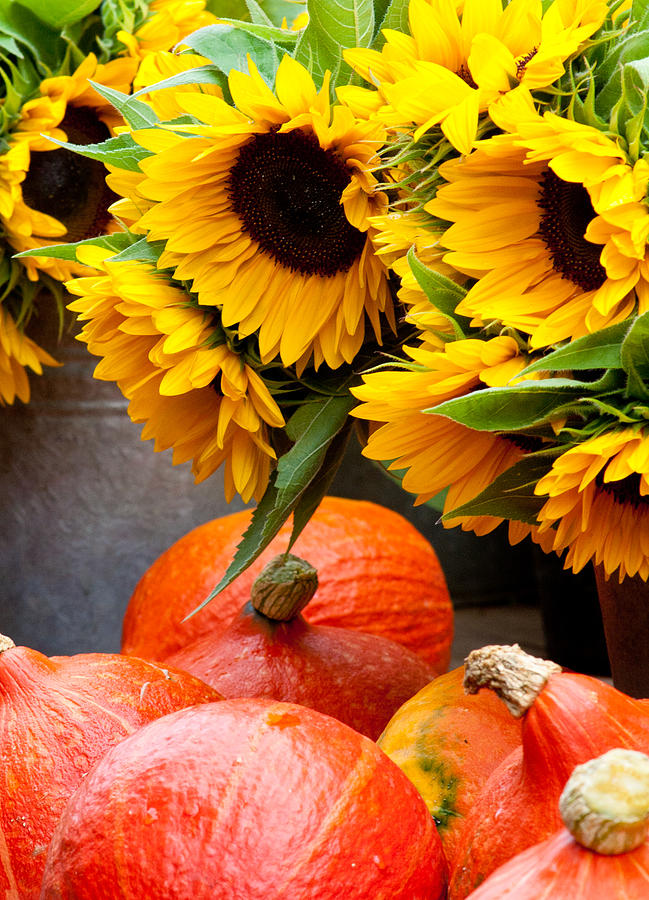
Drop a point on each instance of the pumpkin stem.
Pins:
(511, 673)
(605, 803)
(5, 643)
(284, 587)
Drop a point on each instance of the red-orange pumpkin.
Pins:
(245, 800)
(58, 716)
(270, 650)
(448, 742)
(567, 719)
(602, 852)
(377, 574)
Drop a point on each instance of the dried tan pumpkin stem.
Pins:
(511, 673)
(284, 587)
(5, 643)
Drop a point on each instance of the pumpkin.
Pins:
(245, 799)
(448, 742)
(567, 719)
(59, 715)
(601, 853)
(270, 650)
(376, 572)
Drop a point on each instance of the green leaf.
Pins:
(600, 350)
(276, 10)
(199, 75)
(256, 13)
(511, 495)
(141, 251)
(635, 357)
(136, 113)
(334, 26)
(235, 9)
(313, 427)
(318, 487)
(611, 74)
(228, 48)
(121, 151)
(639, 18)
(40, 39)
(116, 16)
(396, 18)
(267, 32)
(116, 242)
(58, 13)
(512, 408)
(443, 293)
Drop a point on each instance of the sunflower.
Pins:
(58, 194)
(166, 24)
(462, 59)
(264, 210)
(170, 359)
(130, 205)
(17, 354)
(552, 223)
(435, 451)
(598, 503)
(65, 195)
(164, 64)
(396, 233)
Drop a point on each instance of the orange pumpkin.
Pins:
(601, 853)
(567, 719)
(269, 650)
(376, 574)
(58, 716)
(448, 742)
(245, 799)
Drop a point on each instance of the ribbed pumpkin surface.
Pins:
(574, 718)
(245, 800)
(376, 573)
(58, 716)
(360, 679)
(448, 742)
(560, 869)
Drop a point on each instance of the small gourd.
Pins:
(601, 852)
(270, 650)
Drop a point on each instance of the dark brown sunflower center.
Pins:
(286, 190)
(70, 187)
(567, 211)
(522, 61)
(466, 76)
(527, 442)
(626, 491)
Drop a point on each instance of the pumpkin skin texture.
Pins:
(245, 799)
(448, 743)
(59, 715)
(360, 679)
(376, 573)
(559, 868)
(270, 650)
(573, 719)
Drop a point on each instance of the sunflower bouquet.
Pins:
(51, 51)
(424, 218)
